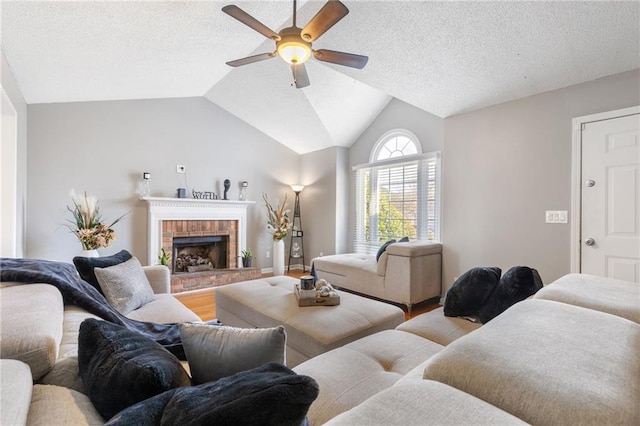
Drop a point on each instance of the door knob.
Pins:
(590, 241)
(590, 183)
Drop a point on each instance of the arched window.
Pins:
(397, 193)
(394, 144)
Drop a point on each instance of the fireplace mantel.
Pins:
(160, 208)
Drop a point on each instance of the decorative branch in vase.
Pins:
(278, 225)
(277, 218)
(87, 223)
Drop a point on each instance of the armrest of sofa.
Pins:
(159, 277)
(414, 249)
(414, 271)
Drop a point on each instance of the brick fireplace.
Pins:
(208, 236)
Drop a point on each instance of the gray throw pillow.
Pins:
(125, 286)
(216, 351)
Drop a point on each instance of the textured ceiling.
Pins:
(442, 57)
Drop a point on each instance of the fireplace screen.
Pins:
(197, 254)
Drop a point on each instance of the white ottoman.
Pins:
(311, 330)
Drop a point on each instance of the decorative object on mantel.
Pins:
(247, 258)
(144, 190)
(88, 226)
(204, 195)
(227, 185)
(278, 224)
(182, 192)
(243, 190)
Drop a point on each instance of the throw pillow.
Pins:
(469, 292)
(120, 367)
(404, 240)
(516, 284)
(125, 286)
(215, 351)
(268, 395)
(85, 265)
(383, 248)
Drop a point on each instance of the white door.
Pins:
(610, 234)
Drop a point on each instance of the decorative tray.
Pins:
(311, 298)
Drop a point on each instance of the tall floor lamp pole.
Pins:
(296, 248)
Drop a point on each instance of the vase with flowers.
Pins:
(88, 226)
(278, 225)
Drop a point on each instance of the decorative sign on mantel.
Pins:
(160, 208)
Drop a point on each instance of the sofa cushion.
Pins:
(15, 391)
(516, 284)
(437, 327)
(31, 326)
(125, 285)
(354, 372)
(549, 363)
(419, 402)
(616, 297)
(85, 265)
(61, 406)
(164, 309)
(120, 367)
(469, 292)
(268, 395)
(383, 248)
(214, 351)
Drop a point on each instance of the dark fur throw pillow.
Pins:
(516, 284)
(120, 367)
(271, 394)
(470, 290)
(85, 265)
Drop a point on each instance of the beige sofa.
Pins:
(406, 273)
(39, 347)
(570, 355)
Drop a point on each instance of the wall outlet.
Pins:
(268, 254)
(181, 169)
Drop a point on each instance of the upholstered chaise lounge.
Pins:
(406, 273)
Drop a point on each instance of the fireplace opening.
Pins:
(197, 254)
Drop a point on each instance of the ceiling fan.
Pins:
(293, 44)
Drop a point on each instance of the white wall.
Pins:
(19, 193)
(322, 201)
(503, 166)
(103, 147)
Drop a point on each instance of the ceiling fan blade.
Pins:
(251, 59)
(242, 16)
(327, 17)
(341, 58)
(300, 76)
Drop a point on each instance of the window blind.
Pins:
(397, 198)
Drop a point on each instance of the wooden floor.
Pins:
(203, 302)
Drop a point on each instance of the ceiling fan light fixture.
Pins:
(291, 48)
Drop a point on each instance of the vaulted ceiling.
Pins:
(443, 57)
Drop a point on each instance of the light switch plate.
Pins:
(556, 216)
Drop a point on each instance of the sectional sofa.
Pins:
(39, 345)
(570, 355)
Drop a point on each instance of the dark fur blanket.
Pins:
(75, 291)
(271, 394)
